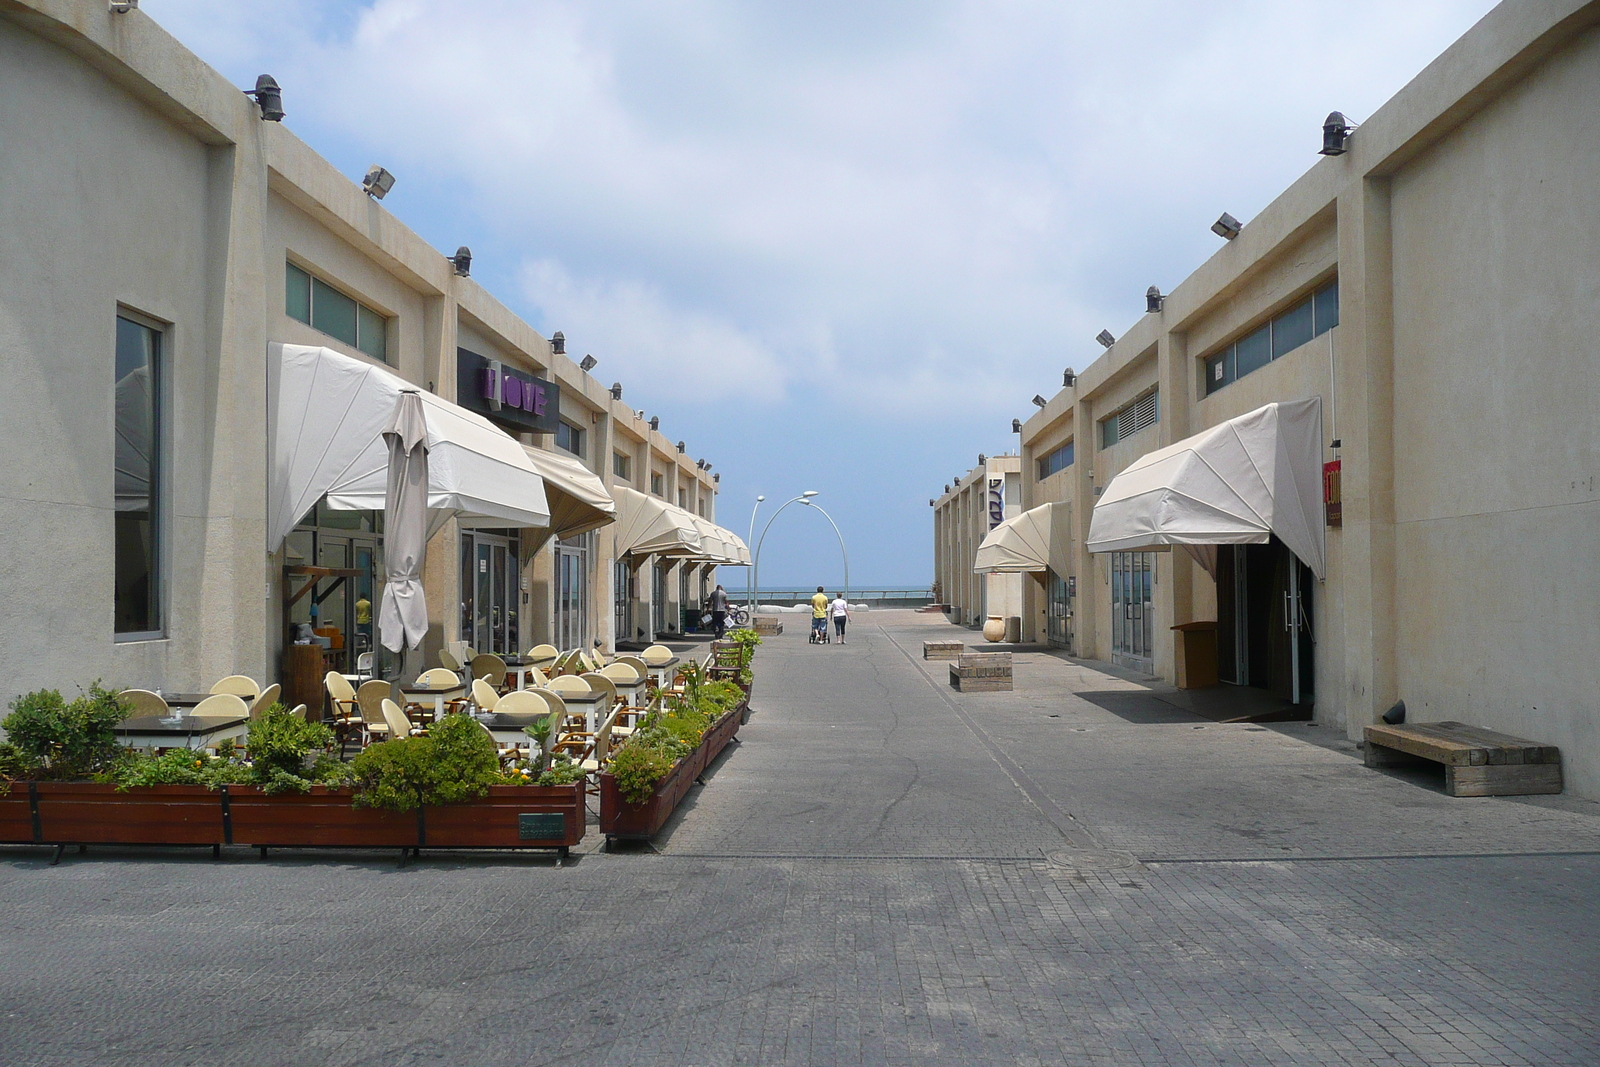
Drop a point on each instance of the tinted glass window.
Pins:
(297, 293)
(1291, 329)
(332, 312)
(1327, 308)
(371, 332)
(137, 478)
(1254, 352)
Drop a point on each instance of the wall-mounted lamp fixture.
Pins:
(947, 488)
(930, 501)
(717, 478)
(1016, 425)
(462, 261)
(982, 459)
(616, 390)
(1105, 338)
(708, 466)
(1227, 226)
(700, 463)
(1335, 132)
(655, 422)
(1068, 379)
(377, 183)
(587, 363)
(122, 7)
(1039, 401)
(1153, 300)
(267, 94)
(680, 448)
(558, 343)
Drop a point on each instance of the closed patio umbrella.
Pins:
(403, 614)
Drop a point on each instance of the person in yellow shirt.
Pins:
(819, 617)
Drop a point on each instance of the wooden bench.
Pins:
(941, 649)
(767, 626)
(1477, 762)
(981, 672)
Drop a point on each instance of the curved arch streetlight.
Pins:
(755, 559)
(840, 536)
(749, 577)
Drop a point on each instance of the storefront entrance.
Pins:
(658, 599)
(491, 575)
(1059, 593)
(572, 592)
(1264, 620)
(1132, 619)
(622, 594)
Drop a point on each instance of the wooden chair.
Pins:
(490, 668)
(370, 698)
(268, 697)
(484, 695)
(340, 694)
(144, 702)
(399, 725)
(239, 686)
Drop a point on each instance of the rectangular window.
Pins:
(701, 507)
(314, 302)
(1130, 420)
(1311, 317)
(137, 591)
(657, 486)
(683, 499)
(570, 438)
(1058, 460)
(620, 465)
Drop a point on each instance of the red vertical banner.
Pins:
(1330, 492)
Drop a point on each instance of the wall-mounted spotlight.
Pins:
(122, 7)
(655, 422)
(1335, 131)
(708, 466)
(946, 488)
(1016, 425)
(1227, 226)
(930, 501)
(588, 363)
(462, 261)
(377, 183)
(1068, 379)
(982, 459)
(558, 343)
(1039, 401)
(717, 478)
(616, 390)
(680, 448)
(1105, 338)
(700, 463)
(1153, 300)
(268, 96)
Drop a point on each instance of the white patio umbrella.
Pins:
(403, 613)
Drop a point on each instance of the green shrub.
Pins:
(455, 761)
(279, 744)
(55, 739)
(637, 768)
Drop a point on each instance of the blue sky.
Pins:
(835, 246)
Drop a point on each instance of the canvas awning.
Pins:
(647, 525)
(1037, 540)
(1237, 483)
(578, 499)
(326, 416)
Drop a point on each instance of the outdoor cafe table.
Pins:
(588, 703)
(184, 700)
(440, 695)
(185, 731)
(507, 729)
(661, 672)
(521, 666)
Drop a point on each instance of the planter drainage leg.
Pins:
(216, 852)
(263, 851)
(561, 856)
(699, 779)
(57, 857)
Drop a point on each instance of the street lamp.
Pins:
(749, 579)
(840, 536)
(755, 559)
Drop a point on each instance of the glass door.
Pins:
(621, 594)
(572, 593)
(490, 587)
(1132, 620)
(1058, 610)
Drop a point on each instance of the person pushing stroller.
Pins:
(819, 618)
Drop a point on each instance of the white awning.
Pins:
(720, 545)
(578, 499)
(1237, 483)
(1037, 540)
(326, 416)
(647, 525)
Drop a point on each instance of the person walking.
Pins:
(819, 617)
(840, 610)
(719, 612)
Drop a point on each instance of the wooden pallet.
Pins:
(981, 672)
(942, 649)
(1477, 762)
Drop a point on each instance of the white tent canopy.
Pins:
(647, 525)
(326, 415)
(1237, 483)
(1035, 541)
(578, 499)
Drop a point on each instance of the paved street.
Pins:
(883, 872)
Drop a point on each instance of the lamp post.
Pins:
(840, 536)
(749, 578)
(755, 559)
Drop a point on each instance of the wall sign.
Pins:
(1330, 492)
(997, 502)
(513, 399)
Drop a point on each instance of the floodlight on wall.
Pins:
(588, 363)
(462, 261)
(616, 390)
(558, 343)
(1227, 226)
(1016, 425)
(122, 7)
(680, 448)
(946, 488)
(982, 459)
(377, 183)
(717, 478)
(930, 501)
(1039, 401)
(1153, 300)
(700, 463)
(268, 97)
(1068, 379)
(655, 422)
(1105, 338)
(1335, 132)
(708, 466)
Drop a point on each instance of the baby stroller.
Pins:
(819, 632)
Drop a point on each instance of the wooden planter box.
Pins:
(981, 672)
(620, 820)
(72, 813)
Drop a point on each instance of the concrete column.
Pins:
(1365, 393)
(1091, 598)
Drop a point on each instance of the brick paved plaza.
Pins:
(884, 871)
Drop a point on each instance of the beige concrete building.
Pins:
(160, 235)
(1435, 288)
(976, 503)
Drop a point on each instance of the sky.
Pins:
(833, 245)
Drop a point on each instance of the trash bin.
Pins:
(1196, 654)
